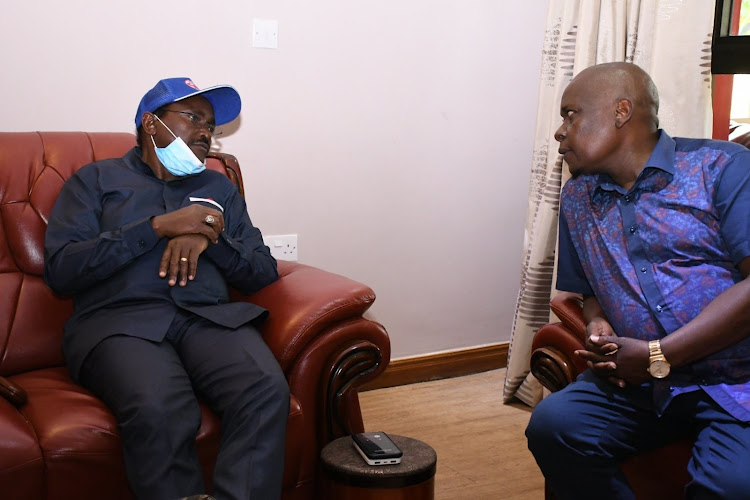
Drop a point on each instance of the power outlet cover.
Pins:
(283, 246)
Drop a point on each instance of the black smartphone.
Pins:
(377, 448)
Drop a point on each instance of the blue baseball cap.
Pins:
(224, 98)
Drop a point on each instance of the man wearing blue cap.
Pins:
(148, 245)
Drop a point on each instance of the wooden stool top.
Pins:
(343, 464)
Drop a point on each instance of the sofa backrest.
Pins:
(33, 168)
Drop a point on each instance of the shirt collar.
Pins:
(133, 160)
(662, 158)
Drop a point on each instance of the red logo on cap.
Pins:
(190, 83)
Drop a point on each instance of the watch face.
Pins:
(659, 368)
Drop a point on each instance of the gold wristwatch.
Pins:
(658, 366)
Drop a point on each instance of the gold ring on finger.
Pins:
(210, 219)
(183, 259)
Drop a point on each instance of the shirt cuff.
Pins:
(222, 251)
(140, 236)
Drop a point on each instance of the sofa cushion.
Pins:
(82, 444)
(77, 435)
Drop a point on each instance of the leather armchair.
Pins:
(59, 442)
(661, 473)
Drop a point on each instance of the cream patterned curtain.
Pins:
(671, 40)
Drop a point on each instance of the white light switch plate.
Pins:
(265, 33)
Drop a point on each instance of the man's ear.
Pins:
(623, 112)
(148, 122)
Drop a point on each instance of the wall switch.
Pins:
(265, 33)
(283, 246)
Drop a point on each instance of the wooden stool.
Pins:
(348, 477)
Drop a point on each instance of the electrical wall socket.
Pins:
(283, 246)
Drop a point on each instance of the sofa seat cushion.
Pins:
(81, 445)
(77, 435)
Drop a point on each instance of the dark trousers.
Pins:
(152, 387)
(579, 434)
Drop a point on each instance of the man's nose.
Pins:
(205, 134)
(560, 133)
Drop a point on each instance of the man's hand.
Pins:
(599, 353)
(631, 358)
(193, 219)
(624, 360)
(180, 258)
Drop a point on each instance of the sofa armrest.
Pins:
(568, 307)
(325, 346)
(553, 359)
(12, 392)
(304, 302)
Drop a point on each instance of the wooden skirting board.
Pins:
(442, 365)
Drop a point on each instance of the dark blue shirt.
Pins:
(657, 254)
(100, 248)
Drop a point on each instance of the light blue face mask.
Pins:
(177, 157)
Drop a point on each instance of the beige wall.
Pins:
(393, 136)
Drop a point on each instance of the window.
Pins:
(730, 64)
(731, 41)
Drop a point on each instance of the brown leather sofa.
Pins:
(661, 473)
(58, 442)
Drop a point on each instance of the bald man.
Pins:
(655, 234)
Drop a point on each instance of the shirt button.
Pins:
(632, 229)
(658, 309)
(141, 244)
(643, 269)
(627, 199)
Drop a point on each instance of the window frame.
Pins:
(729, 53)
(729, 56)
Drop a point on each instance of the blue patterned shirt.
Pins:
(657, 254)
